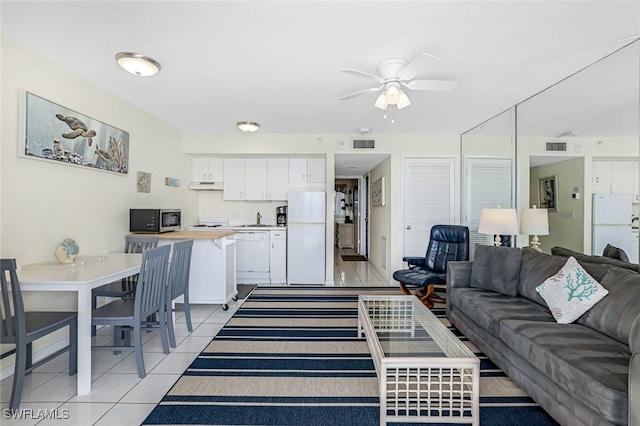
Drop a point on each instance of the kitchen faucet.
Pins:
(258, 217)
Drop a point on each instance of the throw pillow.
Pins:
(571, 292)
(615, 253)
(496, 269)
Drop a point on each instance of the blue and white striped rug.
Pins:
(291, 356)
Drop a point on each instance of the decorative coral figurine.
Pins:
(67, 251)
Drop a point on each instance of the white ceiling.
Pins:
(279, 62)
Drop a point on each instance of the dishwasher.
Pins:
(252, 257)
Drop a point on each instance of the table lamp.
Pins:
(498, 222)
(534, 222)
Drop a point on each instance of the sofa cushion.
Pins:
(571, 292)
(615, 314)
(603, 260)
(487, 308)
(536, 267)
(496, 269)
(591, 366)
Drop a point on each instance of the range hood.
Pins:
(206, 186)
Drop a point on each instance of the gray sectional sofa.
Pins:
(586, 372)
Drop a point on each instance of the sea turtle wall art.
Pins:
(59, 134)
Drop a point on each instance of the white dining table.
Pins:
(81, 276)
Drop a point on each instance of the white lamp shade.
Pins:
(498, 222)
(381, 102)
(392, 95)
(534, 222)
(403, 100)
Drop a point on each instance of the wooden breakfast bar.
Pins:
(212, 277)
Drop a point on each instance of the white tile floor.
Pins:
(117, 395)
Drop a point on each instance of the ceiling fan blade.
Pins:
(363, 74)
(358, 93)
(435, 85)
(419, 64)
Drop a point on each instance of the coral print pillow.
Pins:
(571, 292)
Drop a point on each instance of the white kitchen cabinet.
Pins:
(212, 275)
(601, 177)
(255, 178)
(278, 257)
(234, 177)
(307, 170)
(204, 169)
(277, 179)
(316, 170)
(622, 177)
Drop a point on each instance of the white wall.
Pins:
(44, 202)
(380, 221)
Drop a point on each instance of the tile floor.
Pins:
(118, 396)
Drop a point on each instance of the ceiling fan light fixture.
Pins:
(248, 126)
(381, 102)
(137, 64)
(403, 100)
(392, 94)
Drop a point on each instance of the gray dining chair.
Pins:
(178, 285)
(127, 315)
(23, 328)
(127, 286)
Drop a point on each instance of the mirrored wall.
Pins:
(580, 136)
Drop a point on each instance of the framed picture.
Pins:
(377, 192)
(143, 182)
(58, 134)
(548, 193)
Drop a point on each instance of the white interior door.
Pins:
(428, 200)
(488, 185)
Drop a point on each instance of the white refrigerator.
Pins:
(611, 222)
(306, 235)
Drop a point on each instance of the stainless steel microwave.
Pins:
(154, 220)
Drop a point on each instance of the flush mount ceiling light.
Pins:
(137, 64)
(248, 126)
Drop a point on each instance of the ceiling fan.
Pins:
(396, 74)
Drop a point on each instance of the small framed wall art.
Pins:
(55, 133)
(377, 192)
(548, 193)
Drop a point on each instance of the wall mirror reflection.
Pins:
(584, 131)
(488, 172)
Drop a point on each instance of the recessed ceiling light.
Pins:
(248, 126)
(137, 64)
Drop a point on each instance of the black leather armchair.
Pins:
(446, 243)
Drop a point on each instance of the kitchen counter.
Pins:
(212, 276)
(195, 235)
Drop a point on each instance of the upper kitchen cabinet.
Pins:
(616, 177)
(255, 178)
(205, 169)
(307, 170)
(233, 179)
(277, 179)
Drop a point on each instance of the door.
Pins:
(428, 200)
(488, 184)
(316, 170)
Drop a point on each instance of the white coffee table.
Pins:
(426, 373)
